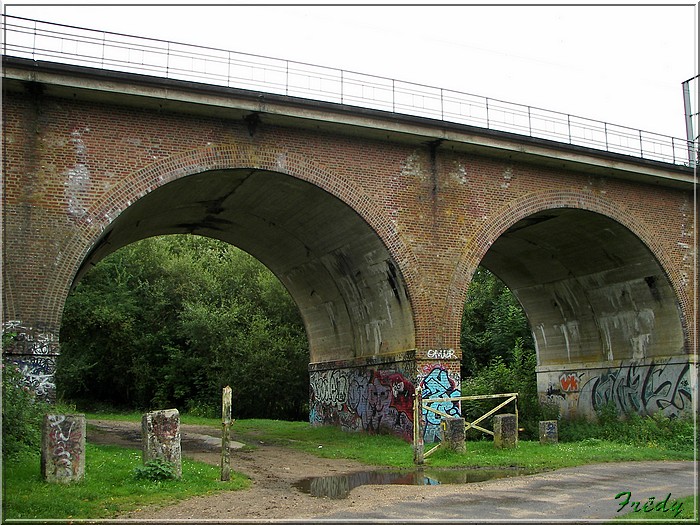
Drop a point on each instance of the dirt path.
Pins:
(272, 469)
(579, 493)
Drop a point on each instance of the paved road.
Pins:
(577, 493)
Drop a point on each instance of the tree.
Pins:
(492, 323)
(169, 321)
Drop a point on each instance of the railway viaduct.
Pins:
(374, 222)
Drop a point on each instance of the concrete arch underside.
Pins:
(349, 290)
(607, 323)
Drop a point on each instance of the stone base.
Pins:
(549, 432)
(453, 434)
(160, 434)
(505, 431)
(63, 448)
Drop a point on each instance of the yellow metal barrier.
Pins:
(419, 454)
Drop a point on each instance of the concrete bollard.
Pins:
(453, 434)
(160, 435)
(549, 432)
(505, 431)
(63, 448)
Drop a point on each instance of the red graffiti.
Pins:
(569, 382)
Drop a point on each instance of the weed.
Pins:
(155, 470)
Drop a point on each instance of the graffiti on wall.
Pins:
(34, 353)
(363, 399)
(437, 382)
(29, 341)
(642, 389)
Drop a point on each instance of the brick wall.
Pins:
(71, 166)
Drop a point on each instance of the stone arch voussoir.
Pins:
(517, 209)
(219, 157)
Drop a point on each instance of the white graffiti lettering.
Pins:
(447, 353)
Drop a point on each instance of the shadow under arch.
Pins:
(349, 289)
(593, 284)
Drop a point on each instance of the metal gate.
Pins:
(419, 453)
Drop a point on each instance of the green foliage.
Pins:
(499, 377)
(498, 355)
(22, 414)
(655, 431)
(169, 321)
(155, 470)
(492, 322)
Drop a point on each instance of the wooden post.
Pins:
(418, 445)
(226, 434)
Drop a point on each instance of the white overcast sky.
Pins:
(622, 64)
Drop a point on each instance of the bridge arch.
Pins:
(600, 294)
(323, 237)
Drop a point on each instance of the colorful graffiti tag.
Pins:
(437, 384)
(643, 389)
(363, 399)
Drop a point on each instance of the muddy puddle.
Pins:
(339, 487)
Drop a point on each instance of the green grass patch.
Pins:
(110, 486)
(659, 509)
(331, 442)
(391, 451)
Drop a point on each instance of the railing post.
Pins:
(104, 43)
(393, 96)
(529, 121)
(488, 125)
(418, 445)
(605, 130)
(641, 145)
(442, 105)
(226, 434)
(228, 70)
(342, 86)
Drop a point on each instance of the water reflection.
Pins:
(338, 487)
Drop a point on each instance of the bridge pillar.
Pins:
(439, 375)
(375, 394)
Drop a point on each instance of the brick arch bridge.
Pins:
(374, 221)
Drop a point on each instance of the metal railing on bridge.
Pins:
(38, 40)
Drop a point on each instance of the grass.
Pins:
(391, 451)
(109, 488)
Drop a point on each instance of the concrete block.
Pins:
(549, 432)
(453, 434)
(63, 448)
(160, 434)
(505, 430)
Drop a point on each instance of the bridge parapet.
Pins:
(39, 40)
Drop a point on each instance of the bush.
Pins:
(22, 414)
(499, 377)
(155, 470)
(656, 430)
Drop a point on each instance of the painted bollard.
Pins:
(453, 433)
(63, 448)
(160, 434)
(505, 431)
(549, 432)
